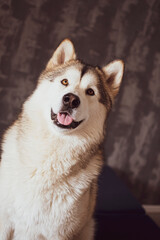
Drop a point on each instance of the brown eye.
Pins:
(90, 92)
(65, 82)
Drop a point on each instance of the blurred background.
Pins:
(101, 31)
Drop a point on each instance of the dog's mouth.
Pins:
(64, 120)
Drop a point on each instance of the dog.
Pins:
(52, 154)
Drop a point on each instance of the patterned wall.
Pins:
(102, 30)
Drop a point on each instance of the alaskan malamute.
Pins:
(51, 155)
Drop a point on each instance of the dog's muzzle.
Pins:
(64, 119)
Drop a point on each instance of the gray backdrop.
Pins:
(101, 30)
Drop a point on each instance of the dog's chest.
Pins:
(49, 205)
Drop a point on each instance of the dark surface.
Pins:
(126, 227)
(118, 215)
(114, 196)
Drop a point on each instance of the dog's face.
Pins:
(77, 96)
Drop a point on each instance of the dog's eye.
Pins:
(65, 82)
(90, 92)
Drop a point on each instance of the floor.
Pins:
(153, 212)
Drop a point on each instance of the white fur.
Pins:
(47, 174)
(35, 156)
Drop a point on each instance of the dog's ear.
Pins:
(65, 52)
(114, 72)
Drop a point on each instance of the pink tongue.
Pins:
(64, 119)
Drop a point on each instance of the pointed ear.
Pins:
(65, 52)
(114, 73)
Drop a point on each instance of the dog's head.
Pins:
(77, 96)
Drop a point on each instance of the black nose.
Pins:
(70, 100)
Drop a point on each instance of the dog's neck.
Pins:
(59, 153)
